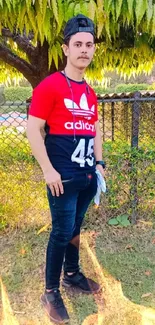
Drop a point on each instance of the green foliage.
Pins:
(121, 220)
(131, 54)
(127, 61)
(33, 14)
(100, 90)
(17, 93)
(120, 88)
(131, 87)
(124, 163)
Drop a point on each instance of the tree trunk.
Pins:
(36, 68)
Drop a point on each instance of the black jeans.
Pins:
(67, 212)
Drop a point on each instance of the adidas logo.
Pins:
(82, 109)
(80, 125)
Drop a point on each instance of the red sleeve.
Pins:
(96, 111)
(96, 106)
(96, 103)
(42, 100)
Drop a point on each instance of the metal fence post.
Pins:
(126, 120)
(133, 162)
(103, 120)
(112, 119)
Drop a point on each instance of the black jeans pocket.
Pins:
(64, 181)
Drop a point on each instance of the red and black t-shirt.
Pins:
(70, 116)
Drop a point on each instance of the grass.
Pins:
(129, 257)
(126, 254)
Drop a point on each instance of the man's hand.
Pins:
(101, 170)
(53, 180)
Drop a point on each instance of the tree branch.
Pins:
(100, 40)
(22, 41)
(20, 64)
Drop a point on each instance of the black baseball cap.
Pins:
(79, 23)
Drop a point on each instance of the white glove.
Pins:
(101, 187)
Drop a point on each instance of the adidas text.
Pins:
(79, 126)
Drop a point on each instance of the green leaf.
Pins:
(50, 57)
(20, 17)
(69, 10)
(28, 4)
(8, 2)
(107, 28)
(122, 217)
(41, 5)
(113, 222)
(44, 8)
(125, 223)
(84, 8)
(59, 50)
(46, 25)
(141, 7)
(149, 12)
(112, 10)
(55, 10)
(55, 55)
(60, 14)
(107, 4)
(91, 9)
(130, 7)
(77, 9)
(123, 220)
(31, 16)
(118, 8)
(153, 21)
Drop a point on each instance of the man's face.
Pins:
(80, 50)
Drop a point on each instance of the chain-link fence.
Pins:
(128, 131)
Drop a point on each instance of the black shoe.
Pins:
(78, 280)
(55, 307)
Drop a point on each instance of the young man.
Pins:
(66, 107)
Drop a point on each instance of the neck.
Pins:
(74, 73)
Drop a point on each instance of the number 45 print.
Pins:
(79, 155)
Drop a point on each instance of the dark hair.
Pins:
(67, 40)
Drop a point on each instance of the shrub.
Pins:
(100, 90)
(130, 87)
(123, 88)
(17, 93)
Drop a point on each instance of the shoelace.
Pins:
(58, 302)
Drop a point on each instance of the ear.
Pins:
(65, 49)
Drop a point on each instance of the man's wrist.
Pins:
(101, 163)
(47, 169)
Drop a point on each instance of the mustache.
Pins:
(83, 57)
